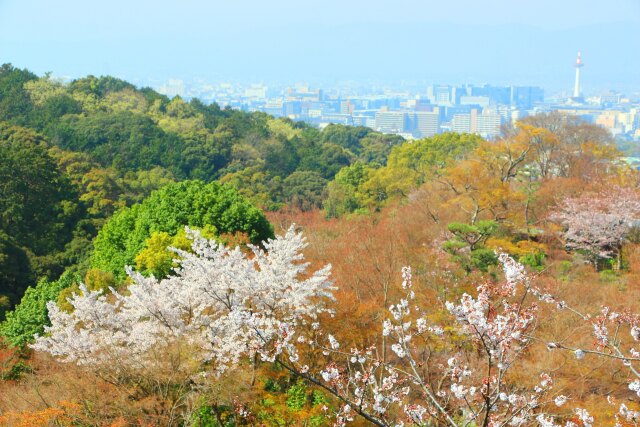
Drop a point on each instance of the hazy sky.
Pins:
(452, 41)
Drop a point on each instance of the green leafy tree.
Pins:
(206, 154)
(30, 316)
(53, 109)
(15, 272)
(99, 86)
(168, 210)
(426, 155)
(126, 100)
(15, 102)
(256, 185)
(157, 257)
(304, 190)
(94, 280)
(333, 158)
(376, 147)
(280, 157)
(413, 163)
(140, 184)
(34, 195)
(42, 89)
(344, 195)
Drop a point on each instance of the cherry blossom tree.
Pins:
(172, 339)
(466, 390)
(598, 223)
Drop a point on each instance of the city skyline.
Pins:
(423, 111)
(497, 43)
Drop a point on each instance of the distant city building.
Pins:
(256, 91)
(495, 94)
(303, 93)
(610, 99)
(461, 123)
(426, 123)
(292, 108)
(274, 108)
(424, 105)
(343, 119)
(481, 101)
(488, 124)
(525, 97)
(313, 113)
(363, 121)
(391, 121)
(439, 94)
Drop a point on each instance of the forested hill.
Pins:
(124, 129)
(73, 154)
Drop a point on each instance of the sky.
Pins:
(447, 41)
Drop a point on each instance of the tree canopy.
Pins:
(170, 209)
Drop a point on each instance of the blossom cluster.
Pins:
(225, 303)
(599, 222)
(373, 382)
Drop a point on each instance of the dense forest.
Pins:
(152, 273)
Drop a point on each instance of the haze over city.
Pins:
(460, 41)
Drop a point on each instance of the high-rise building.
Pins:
(391, 121)
(303, 93)
(524, 97)
(292, 108)
(361, 120)
(495, 94)
(439, 94)
(481, 101)
(426, 123)
(424, 105)
(447, 113)
(461, 123)
(610, 98)
(457, 93)
(488, 124)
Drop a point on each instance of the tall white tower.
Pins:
(576, 88)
